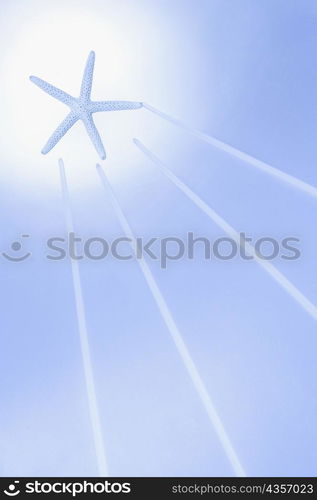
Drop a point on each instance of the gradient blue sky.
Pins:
(242, 70)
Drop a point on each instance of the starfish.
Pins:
(81, 108)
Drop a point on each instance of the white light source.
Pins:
(54, 45)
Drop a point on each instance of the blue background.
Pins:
(243, 71)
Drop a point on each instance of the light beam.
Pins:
(84, 339)
(245, 157)
(279, 277)
(176, 335)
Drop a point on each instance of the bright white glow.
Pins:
(54, 44)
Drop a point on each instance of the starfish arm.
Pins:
(114, 105)
(86, 84)
(61, 130)
(94, 136)
(60, 95)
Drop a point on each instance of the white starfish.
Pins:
(81, 108)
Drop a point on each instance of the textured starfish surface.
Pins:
(81, 108)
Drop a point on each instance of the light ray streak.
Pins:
(175, 334)
(245, 157)
(279, 277)
(84, 339)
